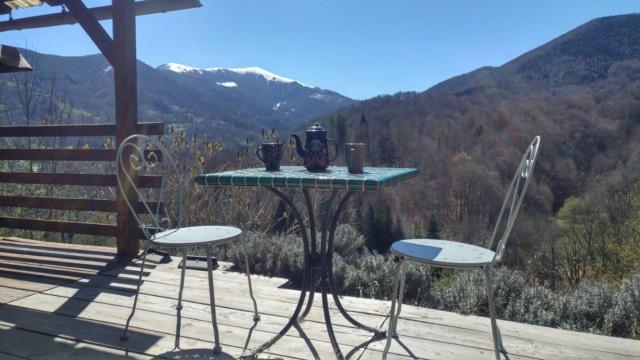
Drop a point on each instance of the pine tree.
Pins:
(361, 226)
(386, 223)
(363, 119)
(280, 221)
(341, 129)
(362, 134)
(370, 228)
(397, 233)
(379, 229)
(434, 228)
(434, 233)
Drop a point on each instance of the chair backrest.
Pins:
(513, 200)
(142, 155)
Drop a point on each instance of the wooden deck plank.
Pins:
(60, 296)
(430, 316)
(195, 311)
(422, 317)
(315, 329)
(74, 260)
(163, 323)
(52, 347)
(100, 334)
(364, 306)
(8, 294)
(27, 282)
(5, 356)
(161, 297)
(87, 249)
(230, 335)
(43, 270)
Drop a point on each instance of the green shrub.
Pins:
(623, 319)
(596, 307)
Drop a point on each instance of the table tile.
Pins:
(335, 177)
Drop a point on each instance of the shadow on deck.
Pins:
(62, 301)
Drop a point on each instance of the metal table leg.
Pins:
(311, 259)
(305, 279)
(325, 281)
(326, 249)
(313, 276)
(379, 334)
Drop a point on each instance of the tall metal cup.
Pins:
(354, 153)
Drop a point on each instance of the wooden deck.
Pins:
(67, 301)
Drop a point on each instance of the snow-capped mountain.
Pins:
(272, 99)
(253, 70)
(231, 104)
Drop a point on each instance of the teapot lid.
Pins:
(316, 128)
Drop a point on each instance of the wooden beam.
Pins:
(5, 9)
(125, 74)
(58, 203)
(58, 226)
(145, 7)
(66, 154)
(32, 202)
(92, 27)
(150, 128)
(74, 179)
(58, 154)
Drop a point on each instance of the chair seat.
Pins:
(196, 235)
(443, 252)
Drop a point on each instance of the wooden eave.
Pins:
(143, 7)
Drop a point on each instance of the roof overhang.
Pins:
(143, 7)
(21, 4)
(12, 61)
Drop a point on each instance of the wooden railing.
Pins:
(62, 179)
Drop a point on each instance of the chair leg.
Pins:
(403, 274)
(216, 349)
(179, 307)
(497, 338)
(391, 331)
(256, 315)
(135, 299)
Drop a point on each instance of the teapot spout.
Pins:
(299, 147)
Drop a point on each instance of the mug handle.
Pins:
(336, 155)
(258, 153)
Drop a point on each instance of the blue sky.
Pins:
(360, 48)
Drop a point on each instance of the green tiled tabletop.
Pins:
(335, 177)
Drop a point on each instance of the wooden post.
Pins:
(126, 99)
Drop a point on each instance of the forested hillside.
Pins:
(581, 93)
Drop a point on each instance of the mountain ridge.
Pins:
(255, 70)
(236, 102)
(580, 92)
(613, 38)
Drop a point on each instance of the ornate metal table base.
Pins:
(317, 262)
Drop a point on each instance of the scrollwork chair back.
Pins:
(140, 155)
(513, 200)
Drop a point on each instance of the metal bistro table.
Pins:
(336, 180)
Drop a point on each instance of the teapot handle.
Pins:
(336, 155)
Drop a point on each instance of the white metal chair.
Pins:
(161, 226)
(457, 255)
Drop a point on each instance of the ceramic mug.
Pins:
(271, 155)
(354, 153)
